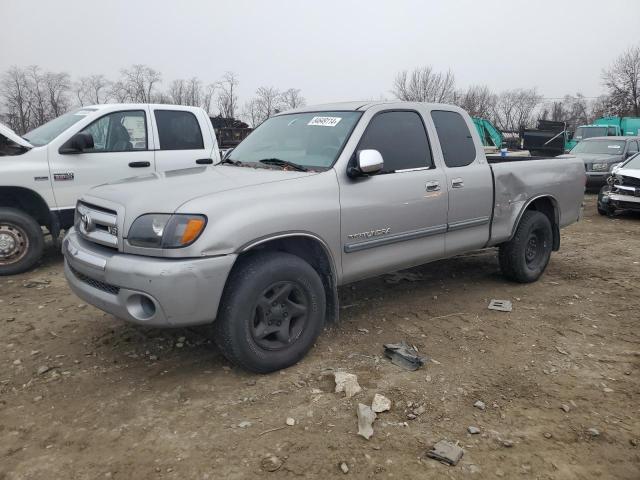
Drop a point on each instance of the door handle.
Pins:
(204, 161)
(432, 186)
(457, 183)
(139, 164)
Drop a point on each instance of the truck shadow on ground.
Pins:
(399, 296)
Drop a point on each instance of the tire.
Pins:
(603, 210)
(261, 325)
(21, 241)
(526, 256)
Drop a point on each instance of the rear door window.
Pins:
(178, 130)
(456, 141)
(400, 138)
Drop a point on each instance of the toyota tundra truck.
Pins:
(314, 198)
(43, 173)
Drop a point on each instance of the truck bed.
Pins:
(518, 180)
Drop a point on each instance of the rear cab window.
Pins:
(178, 130)
(455, 138)
(401, 139)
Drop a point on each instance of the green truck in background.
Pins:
(605, 127)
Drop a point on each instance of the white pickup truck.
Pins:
(44, 172)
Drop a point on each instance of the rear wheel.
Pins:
(271, 312)
(525, 257)
(21, 241)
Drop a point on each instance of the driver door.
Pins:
(121, 149)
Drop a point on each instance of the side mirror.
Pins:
(368, 162)
(77, 144)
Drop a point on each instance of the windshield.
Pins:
(600, 147)
(589, 132)
(50, 130)
(634, 162)
(312, 140)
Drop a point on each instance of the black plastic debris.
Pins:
(446, 452)
(403, 355)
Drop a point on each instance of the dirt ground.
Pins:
(85, 396)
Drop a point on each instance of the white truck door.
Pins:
(469, 183)
(396, 218)
(121, 149)
(183, 138)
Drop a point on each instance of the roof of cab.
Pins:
(613, 137)
(362, 106)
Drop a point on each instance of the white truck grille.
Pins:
(96, 224)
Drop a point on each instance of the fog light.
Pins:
(141, 307)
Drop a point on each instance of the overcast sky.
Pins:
(332, 50)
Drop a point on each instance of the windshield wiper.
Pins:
(236, 163)
(284, 163)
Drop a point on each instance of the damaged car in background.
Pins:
(622, 191)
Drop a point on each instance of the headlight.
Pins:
(158, 230)
(600, 167)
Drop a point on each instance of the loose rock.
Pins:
(291, 421)
(473, 430)
(380, 403)
(446, 452)
(244, 424)
(480, 404)
(566, 408)
(594, 432)
(366, 416)
(344, 467)
(271, 463)
(347, 383)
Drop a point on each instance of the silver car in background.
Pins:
(623, 189)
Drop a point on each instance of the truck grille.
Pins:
(97, 224)
(630, 181)
(105, 287)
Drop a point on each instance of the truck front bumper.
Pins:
(622, 202)
(146, 290)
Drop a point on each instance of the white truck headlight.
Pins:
(600, 167)
(161, 230)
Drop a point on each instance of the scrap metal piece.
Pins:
(446, 452)
(500, 305)
(403, 355)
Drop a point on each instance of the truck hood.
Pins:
(9, 134)
(166, 192)
(629, 172)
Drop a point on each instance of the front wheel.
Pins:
(271, 312)
(21, 241)
(525, 257)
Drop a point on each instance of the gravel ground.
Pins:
(85, 396)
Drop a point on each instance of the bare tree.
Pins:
(92, 90)
(269, 102)
(622, 79)
(207, 97)
(478, 100)
(193, 92)
(292, 98)
(57, 86)
(35, 84)
(137, 84)
(514, 108)
(251, 112)
(14, 89)
(176, 92)
(227, 96)
(425, 85)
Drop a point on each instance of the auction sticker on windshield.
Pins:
(324, 121)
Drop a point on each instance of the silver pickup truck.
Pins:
(314, 198)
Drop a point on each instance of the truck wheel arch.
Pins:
(310, 248)
(28, 201)
(548, 205)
